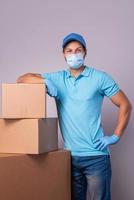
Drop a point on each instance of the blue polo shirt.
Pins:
(79, 105)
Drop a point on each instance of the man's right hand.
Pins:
(37, 78)
(51, 88)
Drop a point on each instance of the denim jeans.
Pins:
(91, 174)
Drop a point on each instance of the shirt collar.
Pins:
(85, 72)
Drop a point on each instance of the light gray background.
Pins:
(31, 33)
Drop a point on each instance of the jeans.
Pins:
(92, 175)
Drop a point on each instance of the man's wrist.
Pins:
(115, 138)
(118, 136)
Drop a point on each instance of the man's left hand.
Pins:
(102, 143)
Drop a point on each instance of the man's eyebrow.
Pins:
(68, 48)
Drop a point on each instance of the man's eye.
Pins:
(79, 50)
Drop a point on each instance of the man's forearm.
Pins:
(30, 78)
(123, 118)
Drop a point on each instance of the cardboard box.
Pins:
(30, 136)
(35, 177)
(20, 100)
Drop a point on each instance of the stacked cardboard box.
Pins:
(23, 100)
(24, 130)
(30, 136)
(24, 125)
(35, 177)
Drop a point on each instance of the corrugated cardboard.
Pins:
(23, 100)
(30, 136)
(35, 177)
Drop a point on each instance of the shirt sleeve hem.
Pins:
(114, 93)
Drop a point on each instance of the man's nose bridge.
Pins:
(74, 51)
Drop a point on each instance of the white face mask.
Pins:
(75, 61)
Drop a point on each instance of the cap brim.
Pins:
(71, 39)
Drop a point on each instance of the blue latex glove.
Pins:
(102, 143)
(51, 88)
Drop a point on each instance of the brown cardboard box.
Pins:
(30, 136)
(35, 177)
(23, 100)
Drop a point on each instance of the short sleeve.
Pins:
(108, 86)
(53, 76)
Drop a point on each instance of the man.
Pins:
(79, 91)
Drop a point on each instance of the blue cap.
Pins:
(73, 36)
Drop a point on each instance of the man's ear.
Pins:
(85, 53)
(64, 56)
